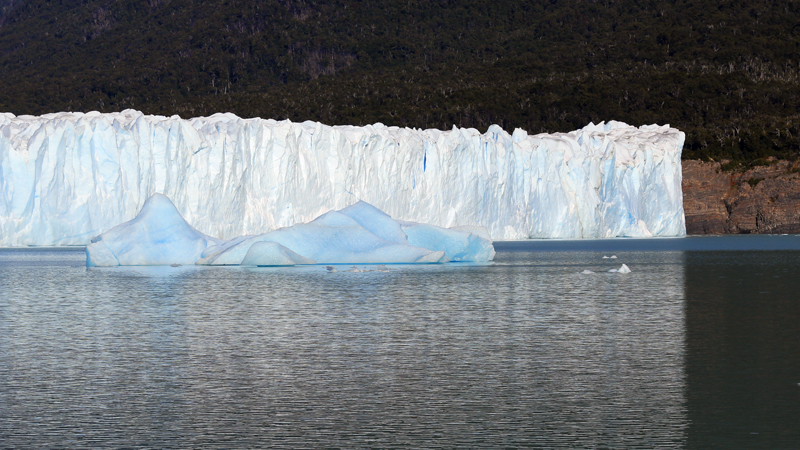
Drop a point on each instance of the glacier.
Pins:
(68, 177)
(357, 234)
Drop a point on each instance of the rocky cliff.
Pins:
(764, 199)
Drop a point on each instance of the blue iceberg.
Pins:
(357, 234)
(158, 235)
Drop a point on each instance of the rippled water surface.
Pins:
(693, 349)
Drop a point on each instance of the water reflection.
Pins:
(743, 349)
(523, 352)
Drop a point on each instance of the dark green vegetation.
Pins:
(725, 72)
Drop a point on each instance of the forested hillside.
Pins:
(725, 72)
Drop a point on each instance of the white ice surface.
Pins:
(66, 177)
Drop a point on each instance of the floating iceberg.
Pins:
(158, 235)
(358, 234)
(623, 269)
(66, 177)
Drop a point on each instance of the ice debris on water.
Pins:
(587, 272)
(610, 257)
(65, 177)
(354, 269)
(357, 234)
(623, 269)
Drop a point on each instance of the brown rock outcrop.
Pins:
(764, 199)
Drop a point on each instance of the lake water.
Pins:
(698, 347)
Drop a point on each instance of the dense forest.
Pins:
(725, 72)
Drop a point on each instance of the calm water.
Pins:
(693, 349)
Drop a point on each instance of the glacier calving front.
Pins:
(67, 177)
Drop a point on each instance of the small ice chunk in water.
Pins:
(330, 269)
(610, 257)
(382, 268)
(623, 269)
(587, 272)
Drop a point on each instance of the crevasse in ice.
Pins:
(358, 234)
(66, 177)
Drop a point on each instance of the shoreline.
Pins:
(761, 200)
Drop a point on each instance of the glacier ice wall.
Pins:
(67, 177)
